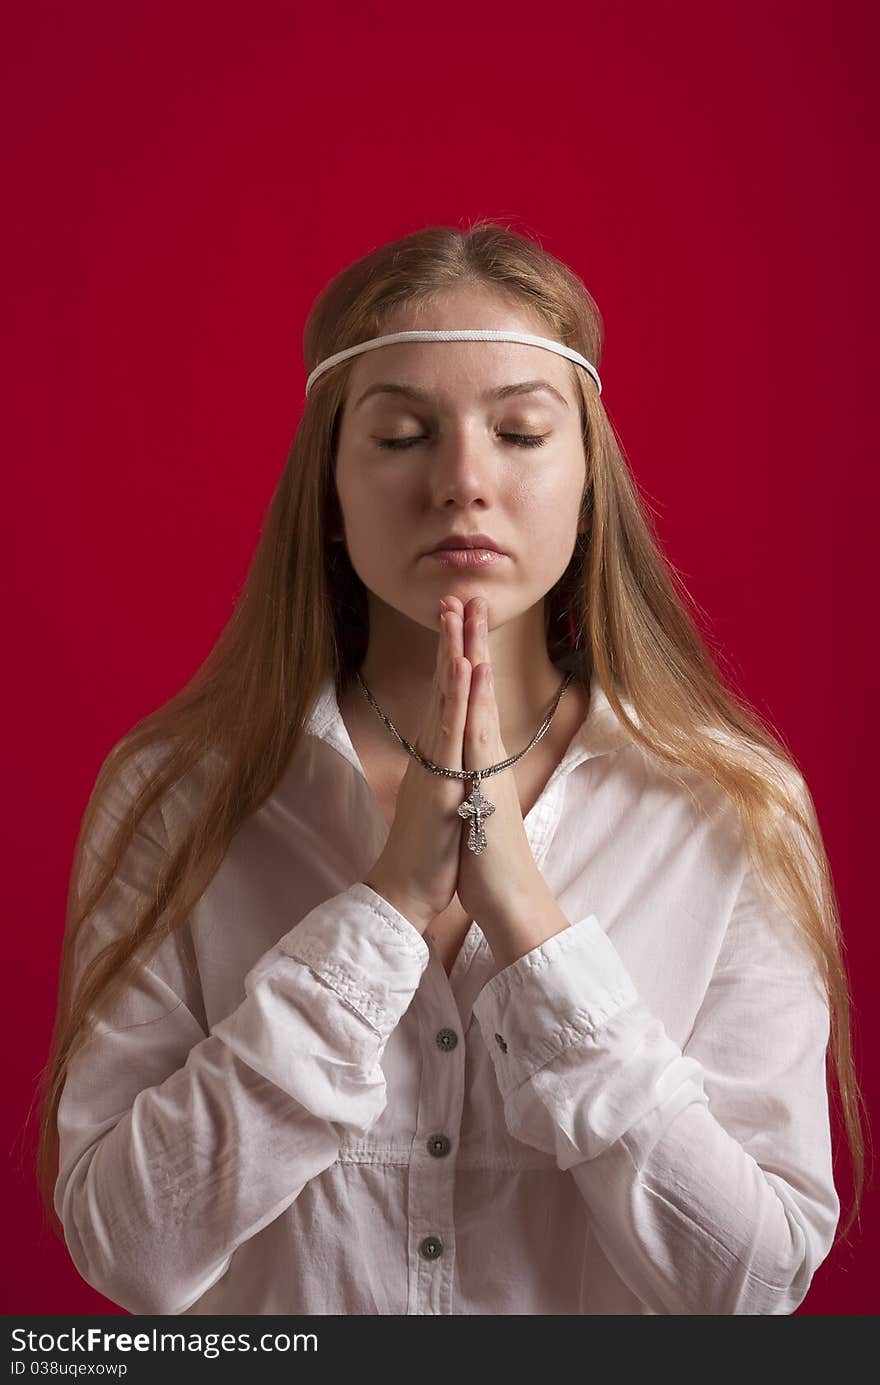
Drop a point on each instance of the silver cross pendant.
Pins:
(476, 807)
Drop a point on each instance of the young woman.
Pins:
(345, 1026)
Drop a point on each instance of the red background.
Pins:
(182, 179)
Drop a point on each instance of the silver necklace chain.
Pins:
(475, 807)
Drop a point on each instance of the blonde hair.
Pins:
(302, 614)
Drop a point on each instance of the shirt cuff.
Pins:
(557, 993)
(579, 1058)
(366, 951)
(321, 1004)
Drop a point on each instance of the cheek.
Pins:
(369, 498)
(384, 505)
(549, 509)
(378, 518)
(556, 493)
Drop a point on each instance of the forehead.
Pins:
(400, 392)
(459, 373)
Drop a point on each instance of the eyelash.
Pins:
(521, 439)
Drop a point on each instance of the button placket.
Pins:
(433, 1156)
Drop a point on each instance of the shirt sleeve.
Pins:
(706, 1171)
(177, 1144)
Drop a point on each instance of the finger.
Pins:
(483, 632)
(449, 660)
(441, 735)
(458, 674)
(442, 681)
(476, 646)
(438, 681)
(455, 609)
(483, 728)
(455, 634)
(454, 603)
(462, 627)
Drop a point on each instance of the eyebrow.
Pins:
(502, 392)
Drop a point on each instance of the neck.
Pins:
(401, 660)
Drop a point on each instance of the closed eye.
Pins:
(520, 439)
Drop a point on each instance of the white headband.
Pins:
(465, 334)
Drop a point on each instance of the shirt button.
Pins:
(439, 1144)
(446, 1039)
(501, 1044)
(431, 1247)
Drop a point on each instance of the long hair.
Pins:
(302, 613)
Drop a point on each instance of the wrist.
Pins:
(398, 900)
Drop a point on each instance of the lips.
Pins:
(467, 558)
(465, 541)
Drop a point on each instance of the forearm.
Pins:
(524, 923)
(223, 1132)
(709, 1184)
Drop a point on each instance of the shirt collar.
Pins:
(600, 733)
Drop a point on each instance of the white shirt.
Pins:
(296, 1111)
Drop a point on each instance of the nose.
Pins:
(464, 467)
